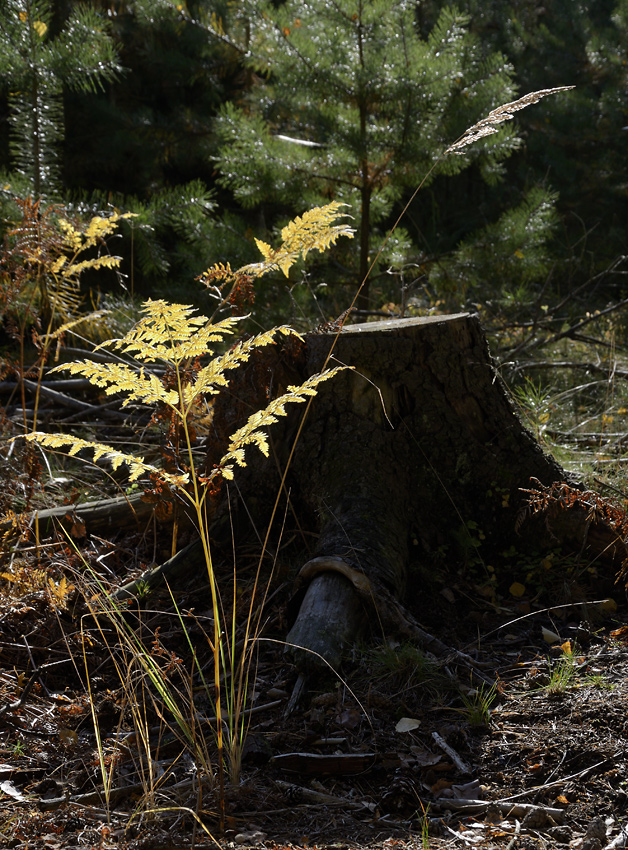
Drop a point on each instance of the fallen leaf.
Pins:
(517, 589)
(9, 788)
(440, 786)
(68, 737)
(469, 791)
(407, 724)
(424, 757)
(350, 718)
(550, 636)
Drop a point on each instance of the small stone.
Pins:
(596, 829)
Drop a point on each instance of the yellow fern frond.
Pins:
(89, 317)
(137, 466)
(265, 249)
(122, 378)
(172, 333)
(73, 237)
(98, 229)
(64, 296)
(58, 264)
(252, 432)
(104, 262)
(211, 377)
(217, 275)
(313, 231)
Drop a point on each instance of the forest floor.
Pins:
(387, 757)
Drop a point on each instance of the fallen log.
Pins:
(102, 516)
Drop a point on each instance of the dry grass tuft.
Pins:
(489, 125)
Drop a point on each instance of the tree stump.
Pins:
(418, 445)
(417, 448)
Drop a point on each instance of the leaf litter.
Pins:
(385, 763)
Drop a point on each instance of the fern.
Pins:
(175, 336)
(63, 272)
(172, 334)
(312, 231)
(315, 230)
(253, 434)
(47, 258)
(137, 466)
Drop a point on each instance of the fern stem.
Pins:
(198, 501)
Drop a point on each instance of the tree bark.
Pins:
(418, 448)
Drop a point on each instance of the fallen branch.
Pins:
(507, 809)
(101, 515)
(63, 400)
(462, 766)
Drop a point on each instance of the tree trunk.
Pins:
(418, 448)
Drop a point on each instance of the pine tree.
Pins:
(499, 265)
(150, 128)
(577, 143)
(353, 103)
(36, 65)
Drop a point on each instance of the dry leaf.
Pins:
(407, 724)
(550, 636)
(68, 737)
(566, 647)
(424, 757)
(517, 589)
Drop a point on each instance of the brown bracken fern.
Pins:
(598, 510)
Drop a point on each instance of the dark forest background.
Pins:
(217, 122)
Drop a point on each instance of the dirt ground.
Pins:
(400, 753)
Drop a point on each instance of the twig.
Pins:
(578, 775)
(569, 364)
(515, 809)
(297, 693)
(513, 840)
(462, 766)
(75, 404)
(13, 706)
(316, 797)
(35, 668)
